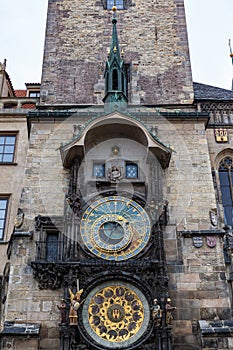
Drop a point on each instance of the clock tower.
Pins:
(117, 248)
(152, 35)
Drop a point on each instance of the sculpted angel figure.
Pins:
(74, 306)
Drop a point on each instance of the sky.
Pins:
(210, 26)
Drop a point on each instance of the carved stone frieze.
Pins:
(220, 113)
(48, 275)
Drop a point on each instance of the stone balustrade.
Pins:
(16, 102)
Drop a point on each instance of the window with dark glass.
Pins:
(98, 170)
(131, 170)
(226, 185)
(114, 79)
(3, 212)
(52, 247)
(118, 3)
(7, 148)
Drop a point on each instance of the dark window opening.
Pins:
(106, 80)
(128, 76)
(10, 105)
(114, 79)
(226, 185)
(122, 82)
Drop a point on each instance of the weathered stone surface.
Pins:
(155, 46)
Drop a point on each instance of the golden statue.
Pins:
(74, 306)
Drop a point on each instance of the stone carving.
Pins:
(213, 217)
(48, 275)
(41, 220)
(18, 222)
(115, 173)
(74, 201)
(164, 215)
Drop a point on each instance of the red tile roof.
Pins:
(20, 93)
(28, 106)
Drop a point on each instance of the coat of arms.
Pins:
(197, 241)
(211, 241)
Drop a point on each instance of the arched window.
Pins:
(226, 183)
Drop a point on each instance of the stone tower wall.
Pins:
(151, 33)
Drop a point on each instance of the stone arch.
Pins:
(106, 127)
(227, 152)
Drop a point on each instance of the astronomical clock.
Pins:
(121, 274)
(116, 311)
(112, 263)
(115, 228)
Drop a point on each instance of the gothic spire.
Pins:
(115, 73)
(114, 51)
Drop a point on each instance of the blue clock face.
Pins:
(111, 232)
(115, 228)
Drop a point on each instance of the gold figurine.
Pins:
(74, 306)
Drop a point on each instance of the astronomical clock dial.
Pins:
(115, 228)
(115, 314)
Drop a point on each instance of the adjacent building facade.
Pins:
(117, 228)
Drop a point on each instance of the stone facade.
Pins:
(152, 34)
(172, 143)
(13, 174)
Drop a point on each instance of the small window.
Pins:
(99, 170)
(7, 148)
(118, 3)
(3, 212)
(131, 170)
(52, 247)
(34, 93)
